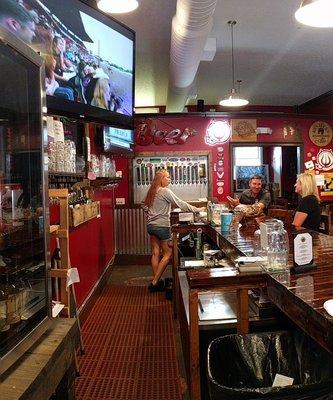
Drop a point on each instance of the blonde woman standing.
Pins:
(308, 210)
(158, 204)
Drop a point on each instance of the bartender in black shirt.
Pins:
(254, 195)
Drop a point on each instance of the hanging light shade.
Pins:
(233, 99)
(316, 13)
(117, 6)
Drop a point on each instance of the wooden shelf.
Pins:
(67, 174)
(104, 181)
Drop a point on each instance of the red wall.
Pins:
(286, 129)
(92, 246)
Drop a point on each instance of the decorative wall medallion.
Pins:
(218, 132)
(244, 130)
(325, 159)
(320, 133)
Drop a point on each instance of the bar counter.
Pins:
(300, 297)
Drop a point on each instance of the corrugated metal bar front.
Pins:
(131, 231)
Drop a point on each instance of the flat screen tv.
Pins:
(89, 57)
(116, 140)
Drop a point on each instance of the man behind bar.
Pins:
(254, 195)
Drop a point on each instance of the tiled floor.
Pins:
(130, 344)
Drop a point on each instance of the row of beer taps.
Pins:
(192, 173)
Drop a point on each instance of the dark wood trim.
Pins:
(316, 101)
(239, 115)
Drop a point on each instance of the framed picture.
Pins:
(244, 173)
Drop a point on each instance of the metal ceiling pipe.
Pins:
(190, 29)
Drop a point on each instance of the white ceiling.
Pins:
(280, 61)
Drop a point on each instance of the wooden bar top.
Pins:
(37, 374)
(300, 296)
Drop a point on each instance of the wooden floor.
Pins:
(130, 344)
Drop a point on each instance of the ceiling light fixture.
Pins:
(117, 6)
(233, 99)
(316, 13)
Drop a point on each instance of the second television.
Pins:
(89, 57)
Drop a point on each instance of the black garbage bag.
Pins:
(244, 367)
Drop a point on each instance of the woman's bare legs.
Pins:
(156, 253)
(167, 253)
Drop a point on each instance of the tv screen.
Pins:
(89, 57)
(117, 140)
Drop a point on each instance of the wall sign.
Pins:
(244, 130)
(146, 134)
(218, 132)
(320, 133)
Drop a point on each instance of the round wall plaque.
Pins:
(320, 133)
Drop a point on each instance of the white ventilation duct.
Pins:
(190, 29)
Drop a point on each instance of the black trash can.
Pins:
(244, 367)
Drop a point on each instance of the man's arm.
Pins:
(233, 202)
(265, 200)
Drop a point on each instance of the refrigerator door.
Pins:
(24, 288)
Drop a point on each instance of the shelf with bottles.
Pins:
(21, 296)
(82, 208)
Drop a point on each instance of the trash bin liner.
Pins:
(244, 367)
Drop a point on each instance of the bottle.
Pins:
(198, 244)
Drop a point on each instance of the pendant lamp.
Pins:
(117, 6)
(316, 13)
(233, 99)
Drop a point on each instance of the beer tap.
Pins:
(176, 174)
(143, 174)
(180, 174)
(151, 177)
(188, 174)
(138, 176)
(147, 175)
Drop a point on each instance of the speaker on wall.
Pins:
(200, 105)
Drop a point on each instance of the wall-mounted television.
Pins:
(116, 140)
(89, 57)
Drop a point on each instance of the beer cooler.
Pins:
(24, 284)
(189, 175)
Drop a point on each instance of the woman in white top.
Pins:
(158, 203)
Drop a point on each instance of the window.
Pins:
(247, 155)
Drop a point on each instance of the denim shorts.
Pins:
(161, 232)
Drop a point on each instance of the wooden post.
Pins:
(194, 345)
(242, 311)
(175, 264)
